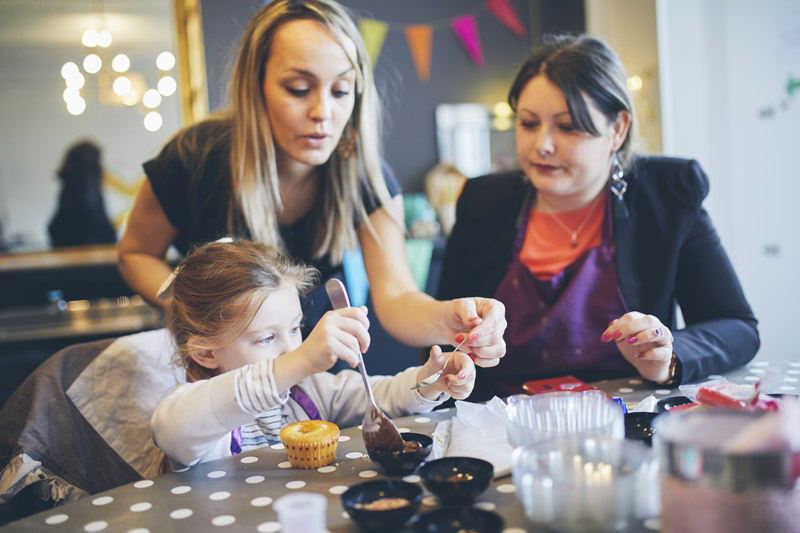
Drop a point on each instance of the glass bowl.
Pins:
(581, 483)
(402, 463)
(456, 480)
(459, 520)
(363, 503)
(530, 419)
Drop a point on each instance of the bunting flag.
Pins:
(420, 43)
(374, 33)
(466, 28)
(504, 11)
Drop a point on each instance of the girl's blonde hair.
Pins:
(219, 288)
(255, 195)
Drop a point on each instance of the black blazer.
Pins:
(667, 254)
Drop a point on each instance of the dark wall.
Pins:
(409, 104)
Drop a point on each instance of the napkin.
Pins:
(477, 430)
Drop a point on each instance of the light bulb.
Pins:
(165, 61)
(92, 63)
(76, 81)
(167, 85)
(104, 39)
(153, 121)
(635, 83)
(69, 69)
(89, 38)
(131, 98)
(151, 98)
(70, 94)
(76, 106)
(502, 110)
(120, 63)
(122, 85)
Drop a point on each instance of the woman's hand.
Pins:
(483, 320)
(339, 334)
(645, 343)
(457, 379)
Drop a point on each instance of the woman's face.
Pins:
(309, 87)
(567, 167)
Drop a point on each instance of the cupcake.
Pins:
(310, 443)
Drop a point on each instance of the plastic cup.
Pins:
(301, 512)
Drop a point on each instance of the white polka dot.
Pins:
(794, 364)
(345, 515)
(515, 530)
(99, 525)
(219, 496)
(143, 484)
(216, 473)
(662, 392)
(296, 484)
(278, 446)
(354, 455)
(652, 523)
(102, 500)
(786, 387)
(714, 376)
(752, 378)
(790, 380)
(181, 489)
(367, 474)
(761, 363)
(338, 489)
(442, 410)
(223, 520)
(285, 464)
(343, 438)
(793, 372)
(635, 381)
(404, 430)
(269, 527)
(757, 370)
(506, 488)
(249, 459)
(139, 530)
(56, 519)
(184, 469)
(422, 419)
(252, 480)
(360, 426)
(485, 506)
(141, 507)
(261, 501)
(326, 469)
(413, 478)
(625, 390)
(430, 501)
(178, 514)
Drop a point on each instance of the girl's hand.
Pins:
(458, 377)
(483, 320)
(644, 342)
(339, 334)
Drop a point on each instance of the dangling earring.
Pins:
(618, 184)
(347, 144)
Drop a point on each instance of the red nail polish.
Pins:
(632, 340)
(459, 338)
(616, 334)
(604, 338)
(639, 355)
(473, 337)
(447, 380)
(471, 356)
(461, 376)
(474, 319)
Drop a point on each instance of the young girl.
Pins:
(236, 317)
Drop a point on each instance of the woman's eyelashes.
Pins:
(302, 92)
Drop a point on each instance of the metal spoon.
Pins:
(378, 431)
(430, 380)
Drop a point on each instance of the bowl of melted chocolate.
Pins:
(416, 448)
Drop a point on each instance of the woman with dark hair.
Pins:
(81, 214)
(591, 248)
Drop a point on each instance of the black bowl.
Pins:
(368, 492)
(402, 463)
(639, 426)
(665, 404)
(461, 519)
(456, 480)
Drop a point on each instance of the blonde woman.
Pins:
(295, 164)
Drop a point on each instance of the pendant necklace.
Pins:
(573, 234)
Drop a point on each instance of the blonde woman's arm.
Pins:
(413, 317)
(142, 248)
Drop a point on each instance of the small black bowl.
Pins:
(402, 463)
(368, 492)
(665, 404)
(459, 519)
(639, 426)
(456, 480)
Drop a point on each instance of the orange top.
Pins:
(547, 251)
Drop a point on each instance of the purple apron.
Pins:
(554, 325)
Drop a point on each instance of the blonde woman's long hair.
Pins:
(256, 195)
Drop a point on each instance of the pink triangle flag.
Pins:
(504, 11)
(466, 28)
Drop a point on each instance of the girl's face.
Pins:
(310, 88)
(562, 163)
(275, 330)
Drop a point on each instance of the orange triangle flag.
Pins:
(420, 44)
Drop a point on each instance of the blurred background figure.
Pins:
(81, 213)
